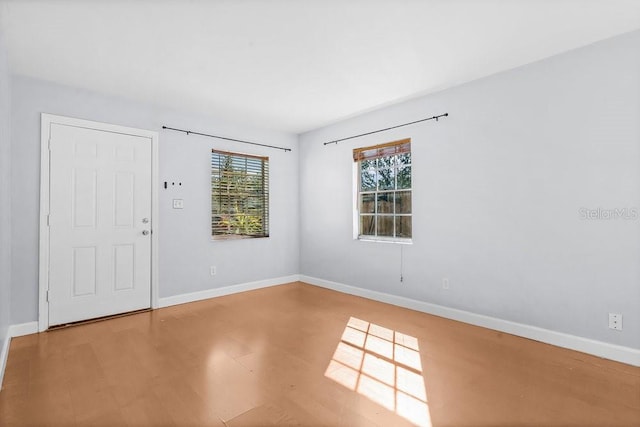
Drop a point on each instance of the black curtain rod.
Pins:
(188, 132)
(389, 128)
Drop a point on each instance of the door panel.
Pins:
(84, 198)
(100, 192)
(124, 256)
(84, 271)
(124, 199)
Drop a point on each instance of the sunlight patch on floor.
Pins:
(384, 366)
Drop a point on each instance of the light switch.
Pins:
(178, 203)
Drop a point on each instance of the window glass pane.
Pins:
(386, 173)
(404, 177)
(403, 202)
(367, 225)
(384, 193)
(404, 159)
(403, 226)
(385, 202)
(367, 203)
(385, 225)
(367, 175)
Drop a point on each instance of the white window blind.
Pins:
(239, 195)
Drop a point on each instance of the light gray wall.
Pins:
(186, 250)
(498, 186)
(5, 191)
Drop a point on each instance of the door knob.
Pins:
(145, 220)
(145, 232)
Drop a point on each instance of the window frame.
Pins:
(263, 194)
(400, 147)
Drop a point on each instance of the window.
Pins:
(384, 191)
(239, 195)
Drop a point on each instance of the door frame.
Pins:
(45, 134)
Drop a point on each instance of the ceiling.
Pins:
(293, 65)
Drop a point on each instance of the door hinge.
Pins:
(48, 215)
(47, 295)
(49, 144)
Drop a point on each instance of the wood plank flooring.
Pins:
(297, 354)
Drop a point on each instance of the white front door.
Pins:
(99, 223)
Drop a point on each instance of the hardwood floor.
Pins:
(301, 355)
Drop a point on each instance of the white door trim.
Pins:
(46, 121)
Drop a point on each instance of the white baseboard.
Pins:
(3, 357)
(12, 332)
(618, 353)
(227, 290)
(32, 327)
(23, 329)
(605, 350)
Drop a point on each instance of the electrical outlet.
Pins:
(213, 270)
(178, 204)
(615, 321)
(445, 283)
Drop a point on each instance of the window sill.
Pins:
(235, 237)
(373, 239)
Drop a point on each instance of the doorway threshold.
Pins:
(97, 319)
